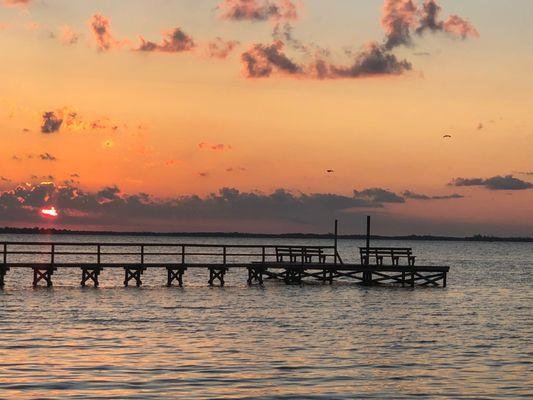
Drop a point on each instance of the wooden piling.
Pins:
(43, 274)
(217, 273)
(90, 273)
(133, 273)
(175, 274)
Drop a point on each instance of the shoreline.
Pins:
(475, 238)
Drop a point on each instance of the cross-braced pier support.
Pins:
(293, 275)
(175, 274)
(43, 274)
(255, 274)
(133, 273)
(90, 273)
(3, 272)
(217, 273)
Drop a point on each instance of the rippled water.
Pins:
(472, 339)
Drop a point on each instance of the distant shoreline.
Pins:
(475, 238)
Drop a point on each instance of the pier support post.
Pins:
(444, 279)
(293, 275)
(3, 272)
(91, 273)
(43, 273)
(133, 273)
(175, 273)
(255, 274)
(217, 273)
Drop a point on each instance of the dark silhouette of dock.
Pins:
(292, 264)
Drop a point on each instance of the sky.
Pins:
(267, 115)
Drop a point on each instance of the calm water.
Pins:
(473, 339)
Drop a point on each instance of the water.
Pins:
(470, 340)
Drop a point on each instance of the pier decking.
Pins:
(292, 264)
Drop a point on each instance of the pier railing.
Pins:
(65, 253)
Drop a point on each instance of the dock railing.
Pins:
(153, 254)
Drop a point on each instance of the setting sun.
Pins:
(49, 212)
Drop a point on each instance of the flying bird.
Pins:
(447, 137)
(330, 171)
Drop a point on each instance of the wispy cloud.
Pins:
(174, 41)
(507, 182)
(258, 10)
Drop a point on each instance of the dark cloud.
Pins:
(47, 157)
(416, 196)
(374, 60)
(378, 196)
(227, 210)
(507, 182)
(4, 179)
(110, 205)
(429, 19)
(258, 10)
(174, 41)
(262, 60)
(397, 20)
(430, 22)
(51, 122)
(101, 29)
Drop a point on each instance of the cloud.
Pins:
(51, 122)
(68, 36)
(373, 60)
(459, 27)
(220, 48)
(214, 147)
(101, 28)
(378, 196)
(47, 157)
(454, 25)
(174, 41)
(507, 182)
(400, 18)
(261, 60)
(258, 10)
(4, 179)
(397, 20)
(416, 196)
(111, 206)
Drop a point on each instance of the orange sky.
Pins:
(172, 122)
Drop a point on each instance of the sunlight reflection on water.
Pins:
(472, 339)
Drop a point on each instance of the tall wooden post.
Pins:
(367, 275)
(335, 239)
(368, 235)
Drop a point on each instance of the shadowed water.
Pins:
(472, 339)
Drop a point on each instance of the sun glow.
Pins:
(49, 212)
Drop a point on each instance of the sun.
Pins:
(50, 212)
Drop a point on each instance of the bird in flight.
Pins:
(330, 171)
(447, 137)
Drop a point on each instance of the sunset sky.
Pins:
(268, 115)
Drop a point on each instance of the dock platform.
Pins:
(291, 264)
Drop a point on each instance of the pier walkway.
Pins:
(291, 264)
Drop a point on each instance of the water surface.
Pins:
(470, 340)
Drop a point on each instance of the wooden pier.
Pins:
(291, 264)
